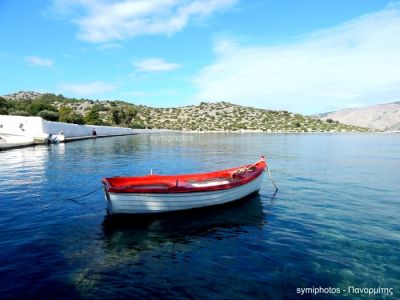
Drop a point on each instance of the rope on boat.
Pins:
(272, 179)
(245, 169)
(84, 195)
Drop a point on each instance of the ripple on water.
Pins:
(334, 221)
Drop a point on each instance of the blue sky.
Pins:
(301, 56)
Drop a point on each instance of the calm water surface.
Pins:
(335, 221)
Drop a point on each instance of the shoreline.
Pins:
(11, 146)
(284, 132)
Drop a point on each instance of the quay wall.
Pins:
(74, 130)
(36, 127)
(21, 126)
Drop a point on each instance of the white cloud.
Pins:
(88, 88)
(154, 65)
(355, 62)
(39, 61)
(104, 21)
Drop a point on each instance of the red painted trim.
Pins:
(160, 184)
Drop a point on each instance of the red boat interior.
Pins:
(186, 183)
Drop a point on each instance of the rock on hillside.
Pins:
(384, 117)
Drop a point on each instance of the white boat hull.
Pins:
(139, 203)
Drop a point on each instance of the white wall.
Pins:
(74, 130)
(22, 126)
(37, 127)
(32, 127)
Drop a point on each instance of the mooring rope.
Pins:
(272, 179)
(87, 194)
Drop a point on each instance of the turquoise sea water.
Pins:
(334, 223)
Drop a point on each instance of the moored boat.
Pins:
(159, 193)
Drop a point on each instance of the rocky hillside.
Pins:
(223, 116)
(23, 95)
(385, 117)
(220, 116)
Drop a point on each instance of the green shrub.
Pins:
(137, 125)
(92, 117)
(22, 113)
(48, 115)
(67, 115)
(38, 105)
(76, 119)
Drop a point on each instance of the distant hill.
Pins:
(219, 116)
(384, 117)
(224, 116)
(23, 95)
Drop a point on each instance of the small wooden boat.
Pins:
(157, 193)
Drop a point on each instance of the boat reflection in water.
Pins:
(144, 232)
(147, 249)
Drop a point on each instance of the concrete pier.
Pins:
(8, 145)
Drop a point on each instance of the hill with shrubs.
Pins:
(219, 116)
